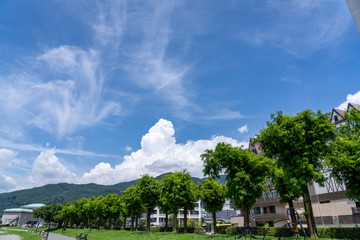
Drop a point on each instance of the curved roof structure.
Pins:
(34, 206)
(18, 210)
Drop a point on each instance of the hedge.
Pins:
(331, 232)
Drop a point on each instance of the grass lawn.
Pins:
(127, 235)
(24, 235)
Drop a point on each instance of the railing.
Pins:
(355, 210)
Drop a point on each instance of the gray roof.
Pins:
(18, 210)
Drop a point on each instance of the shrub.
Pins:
(155, 229)
(231, 230)
(199, 230)
(340, 233)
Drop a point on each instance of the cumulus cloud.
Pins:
(243, 129)
(159, 154)
(350, 98)
(47, 168)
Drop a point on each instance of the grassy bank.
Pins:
(24, 235)
(127, 235)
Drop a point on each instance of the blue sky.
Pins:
(106, 91)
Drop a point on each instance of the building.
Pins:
(330, 200)
(21, 216)
(354, 8)
(157, 217)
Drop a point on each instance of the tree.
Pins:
(45, 213)
(149, 191)
(213, 195)
(345, 162)
(163, 204)
(133, 203)
(112, 207)
(178, 192)
(299, 144)
(246, 174)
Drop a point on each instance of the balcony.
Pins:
(355, 210)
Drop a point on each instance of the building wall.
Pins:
(354, 7)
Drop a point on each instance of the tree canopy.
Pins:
(299, 144)
(149, 190)
(345, 162)
(246, 173)
(213, 195)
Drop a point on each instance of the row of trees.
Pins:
(173, 192)
(296, 150)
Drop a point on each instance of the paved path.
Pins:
(54, 236)
(9, 237)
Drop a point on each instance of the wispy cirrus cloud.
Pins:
(300, 27)
(64, 96)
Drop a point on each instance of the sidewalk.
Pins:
(54, 236)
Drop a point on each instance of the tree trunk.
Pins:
(185, 220)
(175, 222)
(214, 222)
(109, 227)
(98, 223)
(148, 220)
(136, 224)
(132, 220)
(309, 214)
(246, 216)
(124, 222)
(166, 221)
(292, 215)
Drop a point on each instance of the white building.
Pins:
(21, 216)
(157, 217)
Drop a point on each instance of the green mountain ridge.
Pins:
(70, 192)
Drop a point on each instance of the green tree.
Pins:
(81, 210)
(163, 204)
(149, 190)
(178, 192)
(299, 144)
(112, 207)
(133, 203)
(345, 162)
(246, 174)
(100, 209)
(213, 195)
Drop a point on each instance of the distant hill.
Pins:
(70, 192)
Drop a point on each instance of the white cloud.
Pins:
(301, 27)
(128, 148)
(47, 168)
(66, 96)
(350, 98)
(243, 129)
(110, 23)
(159, 154)
(7, 183)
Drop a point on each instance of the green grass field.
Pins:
(127, 235)
(24, 235)
(123, 235)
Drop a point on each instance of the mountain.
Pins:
(70, 192)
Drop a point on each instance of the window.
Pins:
(194, 212)
(264, 210)
(152, 219)
(257, 210)
(336, 118)
(272, 209)
(154, 211)
(326, 201)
